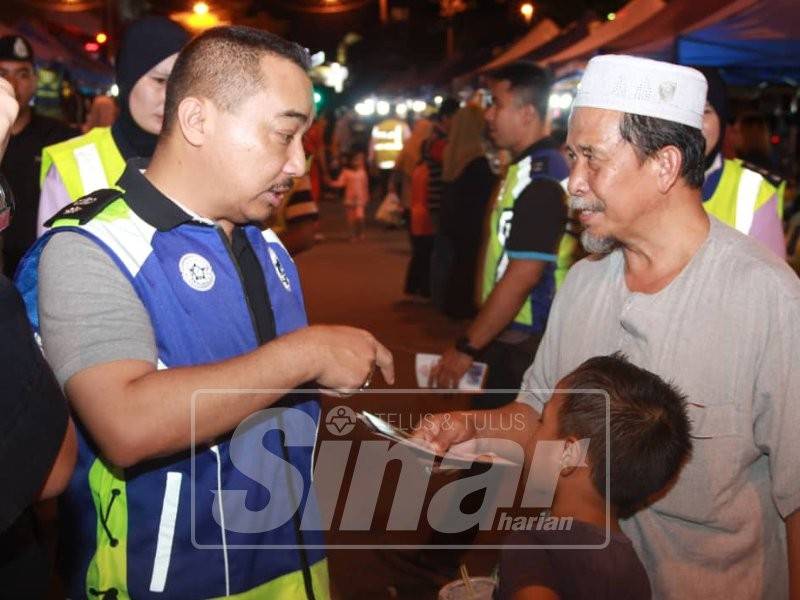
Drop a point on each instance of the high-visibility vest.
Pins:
(161, 529)
(387, 141)
(85, 163)
(569, 249)
(743, 188)
(542, 164)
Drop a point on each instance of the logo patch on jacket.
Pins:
(280, 270)
(197, 272)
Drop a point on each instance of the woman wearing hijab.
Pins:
(468, 187)
(738, 193)
(96, 159)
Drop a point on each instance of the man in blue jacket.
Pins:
(158, 303)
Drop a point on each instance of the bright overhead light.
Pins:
(526, 10)
(317, 59)
(438, 100)
(401, 110)
(366, 108)
(611, 16)
(382, 107)
(335, 75)
(200, 8)
(418, 106)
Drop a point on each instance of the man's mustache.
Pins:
(281, 187)
(578, 203)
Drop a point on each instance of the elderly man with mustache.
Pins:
(696, 302)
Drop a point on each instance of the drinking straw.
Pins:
(467, 580)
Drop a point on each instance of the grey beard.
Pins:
(597, 245)
(592, 244)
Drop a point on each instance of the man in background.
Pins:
(527, 222)
(29, 134)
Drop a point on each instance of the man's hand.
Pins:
(450, 369)
(343, 358)
(135, 412)
(8, 112)
(443, 430)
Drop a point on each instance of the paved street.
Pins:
(360, 284)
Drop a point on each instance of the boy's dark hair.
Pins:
(649, 429)
(224, 65)
(529, 82)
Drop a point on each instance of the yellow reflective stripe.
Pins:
(739, 194)
(62, 156)
(109, 565)
(290, 585)
(722, 201)
(568, 249)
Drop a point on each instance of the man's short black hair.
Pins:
(649, 429)
(648, 135)
(224, 65)
(529, 82)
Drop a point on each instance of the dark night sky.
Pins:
(401, 52)
(404, 50)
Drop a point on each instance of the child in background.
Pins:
(649, 438)
(355, 181)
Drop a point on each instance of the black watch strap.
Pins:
(463, 346)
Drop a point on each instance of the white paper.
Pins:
(472, 381)
(466, 452)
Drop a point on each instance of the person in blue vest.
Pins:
(527, 222)
(172, 321)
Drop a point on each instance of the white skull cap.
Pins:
(641, 86)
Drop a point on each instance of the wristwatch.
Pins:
(463, 346)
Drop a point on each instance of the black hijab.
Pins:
(146, 43)
(718, 98)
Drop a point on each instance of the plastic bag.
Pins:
(390, 211)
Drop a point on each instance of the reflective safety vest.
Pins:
(544, 163)
(741, 190)
(86, 163)
(194, 525)
(388, 137)
(569, 249)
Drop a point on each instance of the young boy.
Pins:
(649, 438)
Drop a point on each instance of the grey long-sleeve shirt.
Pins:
(726, 330)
